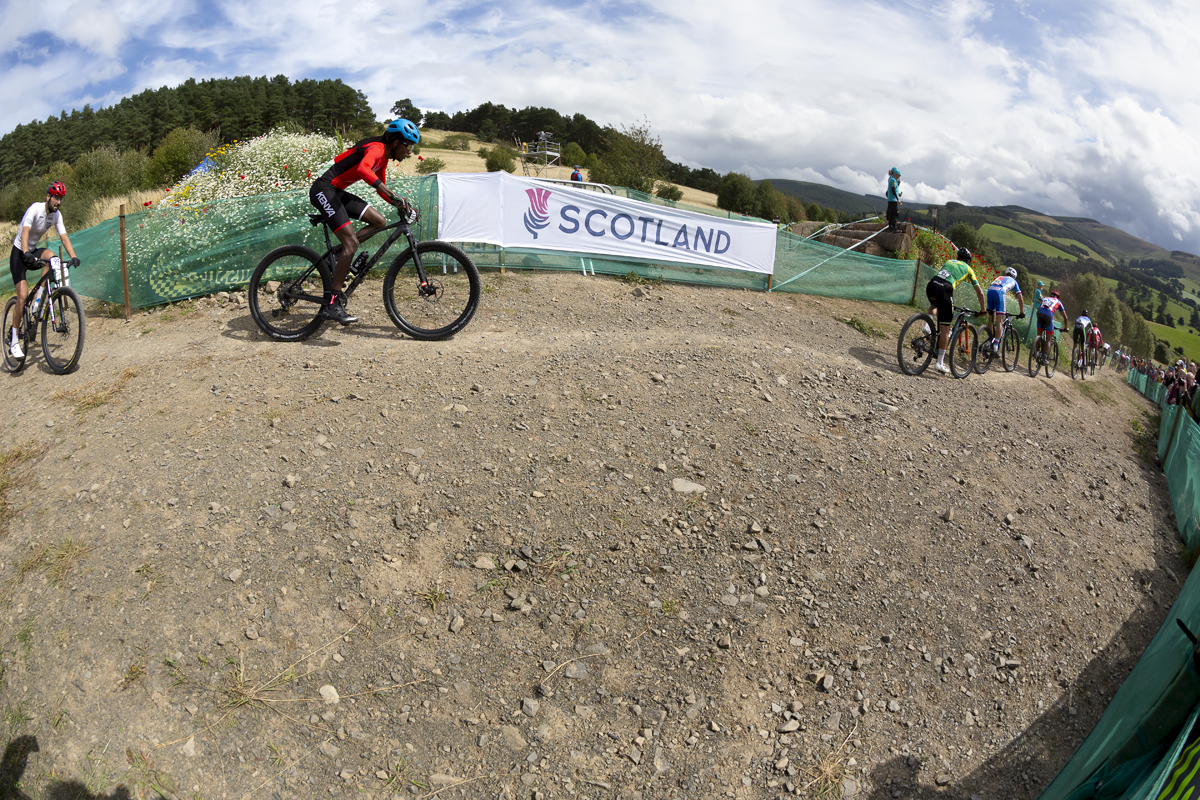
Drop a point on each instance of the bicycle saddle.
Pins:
(316, 219)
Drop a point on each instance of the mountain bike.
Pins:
(1038, 359)
(1083, 359)
(430, 290)
(58, 311)
(1009, 348)
(919, 339)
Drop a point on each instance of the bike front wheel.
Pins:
(985, 355)
(1077, 363)
(447, 301)
(286, 293)
(917, 343)
(964, 343)
(62, 330)
(10, 363)
(1010, 349)
(1052, 364)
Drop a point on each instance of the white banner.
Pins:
(502, 209)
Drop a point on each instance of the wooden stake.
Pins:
(124, 266)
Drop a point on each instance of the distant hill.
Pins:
(1012, 228)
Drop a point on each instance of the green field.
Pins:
(1008, 236)
(1178, 337)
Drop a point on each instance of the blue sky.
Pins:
(1086, 109)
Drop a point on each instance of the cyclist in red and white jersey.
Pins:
(365, 161)
(38, 219)
(1051, 305)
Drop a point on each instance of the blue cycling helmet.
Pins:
(403, 129)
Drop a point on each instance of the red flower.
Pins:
(420, 158)
(147, 203)
(242, 177)
(285, 166)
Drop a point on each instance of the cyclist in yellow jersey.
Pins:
(940, 292)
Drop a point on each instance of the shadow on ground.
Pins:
(16, 761)
(1028, 763)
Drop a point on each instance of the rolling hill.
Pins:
(1068, 238)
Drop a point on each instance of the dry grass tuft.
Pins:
(88, 397)
(12, 477)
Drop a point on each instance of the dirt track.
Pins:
(493, 553)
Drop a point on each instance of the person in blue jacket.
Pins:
(893, 198)
(577, 176)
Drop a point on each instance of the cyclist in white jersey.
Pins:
(38, 219)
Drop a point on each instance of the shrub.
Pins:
(457, 141)
(499, 158)
(430, 165)
(179, 153)
(573, 154)
(669, 191)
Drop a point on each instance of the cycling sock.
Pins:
(941, 357)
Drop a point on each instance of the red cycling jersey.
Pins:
(365, 161)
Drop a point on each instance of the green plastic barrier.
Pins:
(1130, 753)
(176, 252)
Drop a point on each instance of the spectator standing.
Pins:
(577, 176)
(893, 198)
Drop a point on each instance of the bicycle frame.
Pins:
(51, 283)
(402, 228)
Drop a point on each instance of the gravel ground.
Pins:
(612, 541)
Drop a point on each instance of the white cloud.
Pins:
(1071, 111)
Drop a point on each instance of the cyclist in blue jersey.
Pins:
(997, 294)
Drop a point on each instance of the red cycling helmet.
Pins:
(1056, 295)
(57, 189)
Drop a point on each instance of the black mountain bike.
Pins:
(1009, 350)
(1038, 359)
(430, 291)
(59, 312)
(919, 339)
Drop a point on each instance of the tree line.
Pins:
(150, 140)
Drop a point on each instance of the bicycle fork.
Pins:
(423, 286)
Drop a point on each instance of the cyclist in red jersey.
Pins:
(365, 161)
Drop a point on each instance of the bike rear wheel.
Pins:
(442, 307)
(10, 363)
(286, 293)
(964, 343)
(1077, 363)
(1010, 349)
(917, 343)
(984, 356)
(62, 336)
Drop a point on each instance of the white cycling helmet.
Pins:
(1010, 272)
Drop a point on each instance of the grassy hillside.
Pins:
(1008, 236)
(1178, 337)
(830, 197)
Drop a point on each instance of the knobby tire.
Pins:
(915, 348)
(293, 311)
(13, 364)
(963, 347)
(453, 281)
(62, 337)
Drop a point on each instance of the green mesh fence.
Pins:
(178, 252)
(1130, 752)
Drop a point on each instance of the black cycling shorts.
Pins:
(338, 205)
(16, 263)
(941, 297)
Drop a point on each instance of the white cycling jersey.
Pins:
(38, 222)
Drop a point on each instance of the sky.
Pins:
(1073, 108)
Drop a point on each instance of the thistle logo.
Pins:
(538, 215)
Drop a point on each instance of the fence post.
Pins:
(124, 266)
(1180, 411)
(916, 280)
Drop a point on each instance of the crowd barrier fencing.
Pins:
(177, 252)
(1136, 748)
